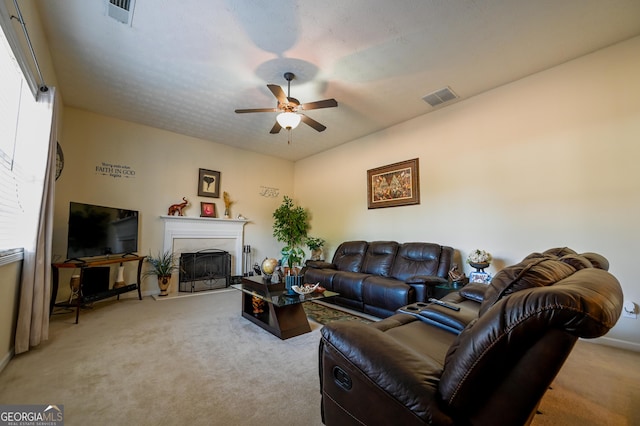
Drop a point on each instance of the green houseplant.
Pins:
(162, 265)
(290, 226)
(315, 244)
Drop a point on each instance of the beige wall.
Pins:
(9, 296)
(547, 161)
(165, 167)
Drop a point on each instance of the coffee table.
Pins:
(267, 306)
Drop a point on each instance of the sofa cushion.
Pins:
(597, 260)
(533, 271)
(349, 256)
(349, 284)
(379, 258)
(416, 259)
(386, 293)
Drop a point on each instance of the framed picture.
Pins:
(479, 277)
(207, 210)
(393, 185)
(209, 183)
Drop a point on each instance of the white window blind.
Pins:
(22, 154)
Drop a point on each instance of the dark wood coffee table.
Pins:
(267, 306)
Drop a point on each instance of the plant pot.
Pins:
(316, 254)
(479, 266)
(164, 283)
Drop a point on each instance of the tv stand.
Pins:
(84, 264)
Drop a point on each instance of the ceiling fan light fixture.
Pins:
(288, 120)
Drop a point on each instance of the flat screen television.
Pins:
(101, 231)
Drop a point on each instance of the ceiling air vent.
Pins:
(440, 96)
(121, 10)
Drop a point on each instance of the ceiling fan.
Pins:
(290, 108)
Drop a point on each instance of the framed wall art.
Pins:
(393, 185)
(209, 183)
(208, 210)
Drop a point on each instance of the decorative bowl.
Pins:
(479, 265)
(305, 288)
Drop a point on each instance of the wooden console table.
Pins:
(83, 265)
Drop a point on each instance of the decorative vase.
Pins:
(227, 213)
(290, 281)
(479, 266)
(164, 283)
(316, 254)
(120, 279)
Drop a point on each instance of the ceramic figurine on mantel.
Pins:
(227, 204)
(479, 259)
(177, 208)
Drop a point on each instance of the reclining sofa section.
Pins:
(494, 370)
(381, 276)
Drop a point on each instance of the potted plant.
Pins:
(315, 245)
(162, 266)
(290, 226)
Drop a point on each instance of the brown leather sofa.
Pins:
(381, 276)
(491, 369)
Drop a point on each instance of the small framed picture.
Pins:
(209, 183)
(479, 277)
(207, 210)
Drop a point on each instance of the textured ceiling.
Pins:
(185, 66)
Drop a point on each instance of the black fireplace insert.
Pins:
(205, 270)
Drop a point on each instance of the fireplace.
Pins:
(182, 232)
(204, 270)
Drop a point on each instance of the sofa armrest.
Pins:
(430, 280)
(319, 264)
(359, 362)
(474, 291)
(423, 285)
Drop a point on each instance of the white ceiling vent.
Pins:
(440, 96)
(121, 10)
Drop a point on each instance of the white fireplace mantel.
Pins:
(184, 227)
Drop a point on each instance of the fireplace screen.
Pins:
(205, 270)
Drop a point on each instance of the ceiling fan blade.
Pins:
(241, 111)
(313, 123)
(276, 128)
(278, 93)
(327, 103)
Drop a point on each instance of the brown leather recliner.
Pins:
(403, 370)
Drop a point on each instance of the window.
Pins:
(23, 151)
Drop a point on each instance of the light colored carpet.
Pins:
(186, 361)
(196, 361)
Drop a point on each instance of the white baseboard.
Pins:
(616, 343)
